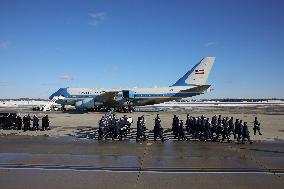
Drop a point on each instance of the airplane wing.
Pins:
(198, 89)
(194, 91)
(107, 96)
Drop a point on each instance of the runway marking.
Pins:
(144, 170)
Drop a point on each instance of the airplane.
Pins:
(191, 84)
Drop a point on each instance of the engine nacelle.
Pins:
(124, 102)
(87, 103)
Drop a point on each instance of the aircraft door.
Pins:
(127, 94)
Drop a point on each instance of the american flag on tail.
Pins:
(199, 71)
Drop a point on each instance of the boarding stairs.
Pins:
(49, 104)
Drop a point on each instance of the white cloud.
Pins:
(6, 83)
(211, 43)
(112, 70)
(93, 23)
(51, 84)
(97, 17)
(67, 77)
(4, 44)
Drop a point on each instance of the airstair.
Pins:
(49, 104)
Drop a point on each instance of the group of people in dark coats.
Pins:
(202, 128)
(112, 127)
(26, 123)
(217, 129)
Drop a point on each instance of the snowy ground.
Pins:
(21, 103)
(183, 105)
(221, 104)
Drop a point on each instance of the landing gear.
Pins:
(127, 109)
(63, 108)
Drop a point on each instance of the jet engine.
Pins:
(85, 104)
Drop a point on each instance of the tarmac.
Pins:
(69, 156)
(68, 162)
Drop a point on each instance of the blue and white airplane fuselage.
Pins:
(191, 84)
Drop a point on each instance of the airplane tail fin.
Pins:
(198, 75)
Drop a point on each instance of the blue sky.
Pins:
(48, 44)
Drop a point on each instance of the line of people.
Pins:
(201, 128)
(15, 122)
(218, 128)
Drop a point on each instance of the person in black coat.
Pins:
(19, 123)
(141, 129)
(245, 134)
(256, 126)
(35, 123)
(158, 129)
(181, 131)
(175, 126)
